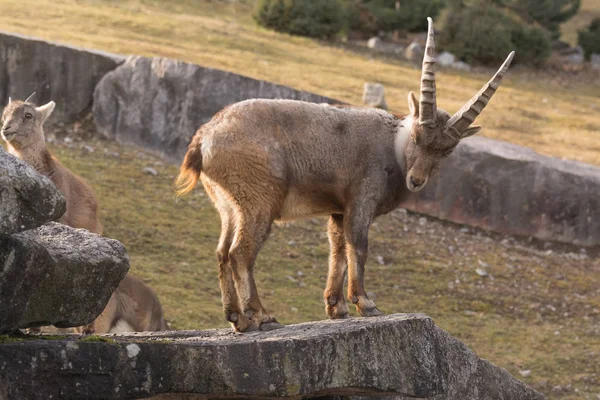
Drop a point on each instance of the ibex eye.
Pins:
(28, 116)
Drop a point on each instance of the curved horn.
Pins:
(9, 100)
(467, 114)
(427, 101)
(29, 98)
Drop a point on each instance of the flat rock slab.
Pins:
(57, 275)
(65, 74)
(159, 103)
(27, 199)
(512, 189)
(402, 355)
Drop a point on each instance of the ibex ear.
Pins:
(46, 110)
(471, 131)
(413, 104)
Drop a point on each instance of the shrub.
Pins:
(373, 16)
(589, 39)
(321, 19)
(486, 34)
(548, 13)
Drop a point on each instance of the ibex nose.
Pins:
(6, 127)
(415, 183)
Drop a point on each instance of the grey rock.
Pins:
(374, 43)
(64, 74)
(150, 171)
(461, 66)
(573, 55)
(374, 95)
(595, 60)
(57, 275)
(514, 190)
(27, 199)
(402, 355)
(414, 52)
(158, 103)
(446, 58)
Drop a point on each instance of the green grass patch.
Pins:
(96, 339)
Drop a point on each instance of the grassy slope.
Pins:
(553, 116)
(536, 311)
(590, 9)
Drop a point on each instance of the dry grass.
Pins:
(554, 116)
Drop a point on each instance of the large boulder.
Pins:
(57, 275)
(402, 355)
(159, 103)
(511, 189)
(27, 198)
(65, 74)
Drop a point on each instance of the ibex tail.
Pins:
(189, 173)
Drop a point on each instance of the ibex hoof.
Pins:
(339, 311)
(270, 326)
(243, 324)
(370, 312)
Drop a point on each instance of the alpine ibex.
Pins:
(133, 305)
(24, 134)
(267, 160)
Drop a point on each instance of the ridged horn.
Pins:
(29, 98)
(427, 101)
(467, 114)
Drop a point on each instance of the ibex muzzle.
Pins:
(267, 160)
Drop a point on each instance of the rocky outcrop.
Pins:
(396, 355)
(57, 275)
(56, 72)
(27, 199)
(512, 189)
(159, 103)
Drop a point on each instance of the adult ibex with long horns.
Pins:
(267, 160)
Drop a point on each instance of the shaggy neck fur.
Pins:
(401, 141)
(35, 155)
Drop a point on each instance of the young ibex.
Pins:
(133, 305)
(267, 160)
(24, 134)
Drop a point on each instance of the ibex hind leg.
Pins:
(231, 305)
(229, 299)
(251, 232)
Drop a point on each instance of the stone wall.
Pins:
(158, 103)
(65, 74)
(512, 189)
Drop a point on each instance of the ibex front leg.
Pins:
(335, 303)
(356, 231)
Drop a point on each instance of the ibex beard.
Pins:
(262, 161)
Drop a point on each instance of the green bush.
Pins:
(485, 34)
(589, 39)
(374, 16)
(548, 13)
(321, 19)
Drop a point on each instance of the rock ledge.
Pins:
(396, 355)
